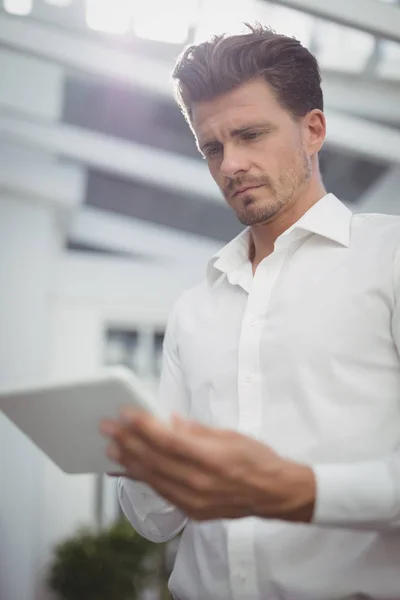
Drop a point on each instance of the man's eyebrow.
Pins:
(261, 125)
(240, 131)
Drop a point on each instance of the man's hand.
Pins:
(210, 473)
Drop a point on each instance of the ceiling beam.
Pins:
(167, 170)
(362, 97)
(118, 233)
(111, 155)
(376, 99)
(362, 137)
(378, 18)
(40, 177)
(85, 54)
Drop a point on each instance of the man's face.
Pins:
(256, 152)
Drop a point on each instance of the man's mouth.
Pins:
(245, 189)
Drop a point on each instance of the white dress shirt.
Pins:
(304, 356)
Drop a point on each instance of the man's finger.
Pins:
(132, 416)
(176, 442)
(109, 428)
(191, 426)
(175, 439)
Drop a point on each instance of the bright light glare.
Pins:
(224, 16)
(165, 21)
(110, 16)
(287, 21)
(18, 7)
(342, 48)
(59, 2)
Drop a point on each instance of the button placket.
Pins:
(242, 560)
(249, 371)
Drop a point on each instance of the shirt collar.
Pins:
(328, 218)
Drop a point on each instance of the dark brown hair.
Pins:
(223, 63)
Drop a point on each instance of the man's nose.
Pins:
(234, 162)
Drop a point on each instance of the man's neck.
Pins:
(264, 236)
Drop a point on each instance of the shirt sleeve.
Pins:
(150, 514)
(363, 495)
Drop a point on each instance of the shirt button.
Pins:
(248, 378)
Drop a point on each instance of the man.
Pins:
(282, 468)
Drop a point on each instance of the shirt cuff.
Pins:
(142, 496)
(357, 495)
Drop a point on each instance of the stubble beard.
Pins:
(253, 210)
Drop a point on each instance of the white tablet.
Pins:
(62, 418)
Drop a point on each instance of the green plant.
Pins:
(110, 564)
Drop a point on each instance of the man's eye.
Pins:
(212, 150)
(251, 135)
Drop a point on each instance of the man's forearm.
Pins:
(297, 488)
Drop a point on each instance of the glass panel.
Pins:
(110, 16)
(18, 7)
(342, 48)
(120, 347)
(287, 21)
(229, 17)
(59, 2)
(389, 64)
(174, 18)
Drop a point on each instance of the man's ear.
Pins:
(315, 131)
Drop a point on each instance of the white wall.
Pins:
(29, 240)
(68, 500)
(53, 312)
(90, 293)
(54, 308)
(123, 289)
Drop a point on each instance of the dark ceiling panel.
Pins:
(135, 199)
(347, 176)
(124, 112)
(87, 248)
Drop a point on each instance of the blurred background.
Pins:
(107, 211)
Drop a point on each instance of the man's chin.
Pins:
(252, 217)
